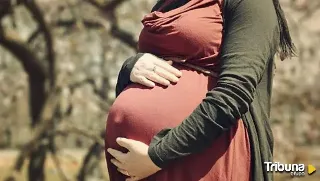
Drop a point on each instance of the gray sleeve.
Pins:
(124, 74)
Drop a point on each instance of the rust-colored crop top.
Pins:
(192, 31)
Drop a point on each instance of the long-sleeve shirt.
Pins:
(250, 41)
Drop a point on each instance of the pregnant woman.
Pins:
(206, 116)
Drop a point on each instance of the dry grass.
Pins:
(70, 163)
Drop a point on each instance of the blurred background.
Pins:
(59, 61)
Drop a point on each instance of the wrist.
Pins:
(155, 158)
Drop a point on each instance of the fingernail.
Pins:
(179, 75)
(109, 150)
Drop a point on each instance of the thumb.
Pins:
(124, 142)
(170, 62)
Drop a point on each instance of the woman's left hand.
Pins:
(136, 163)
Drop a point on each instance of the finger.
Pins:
(166, 74)
(116, 154)
(117, 163)
(124, 142)
(144, 81)
(157, 78)
(169, 68)
(124, 172)
(170, 62)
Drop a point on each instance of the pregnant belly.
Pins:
(139, 112)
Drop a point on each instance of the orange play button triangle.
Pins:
(311, 169)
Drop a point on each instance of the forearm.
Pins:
(190, 137)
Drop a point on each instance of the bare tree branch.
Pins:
(39, 130)
(5, 8)
(68, 128)
(106, 7)
(39, 17)
(109, 10)
(34, 35)
(57, 162)
(29, 61)
(91, 159)
(122, 35)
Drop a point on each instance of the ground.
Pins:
(71, 162)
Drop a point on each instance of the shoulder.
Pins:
(232, 5)
(252, 9)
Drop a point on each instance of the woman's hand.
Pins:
(136, 163)
(150, 69)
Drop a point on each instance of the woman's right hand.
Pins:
(150, 70)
